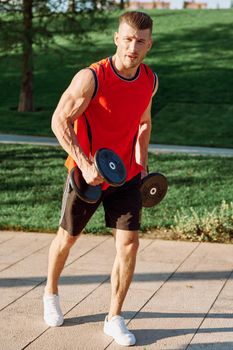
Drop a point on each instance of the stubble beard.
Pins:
(134, 64)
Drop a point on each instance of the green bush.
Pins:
(214, 226)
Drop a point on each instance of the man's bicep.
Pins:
(76, 97)
(80, 92)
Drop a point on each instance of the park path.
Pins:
(153, 148)
(180, 298)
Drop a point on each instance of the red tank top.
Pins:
(112, 118)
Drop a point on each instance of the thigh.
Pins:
(123, 206)
(75, 213)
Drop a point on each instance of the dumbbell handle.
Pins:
(111, 169)
(91, 175)
(86, 192)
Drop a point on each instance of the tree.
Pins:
(122, 4)
(26, 101)
(72, 6)
(26, 23)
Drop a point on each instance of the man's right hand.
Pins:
(91, 175)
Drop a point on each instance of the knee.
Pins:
(65, 239)
(128, 247)
(133, 246)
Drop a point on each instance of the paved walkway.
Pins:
(181, 296)
(52, 141)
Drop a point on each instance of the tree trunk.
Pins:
(122, 4)
(72, 6)
(26, 103)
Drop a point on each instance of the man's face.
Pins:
(132, 45)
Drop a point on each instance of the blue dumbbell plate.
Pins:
(110, 167)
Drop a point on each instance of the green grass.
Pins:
(192, 55)
(196, 128)
(32, 179)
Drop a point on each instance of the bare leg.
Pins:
(58, 253)
(127, 243)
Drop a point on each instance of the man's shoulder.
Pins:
(102, 63)
(147, 69)
(101, 69)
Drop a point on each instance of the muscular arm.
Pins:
(72, 104)
(144, 138)
(144, 134)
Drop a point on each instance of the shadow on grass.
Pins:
(193, 64)
(180, 63)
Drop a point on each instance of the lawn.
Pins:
(32, 180)
(192, 55)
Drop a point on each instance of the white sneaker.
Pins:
(117, 329)
(52, 311)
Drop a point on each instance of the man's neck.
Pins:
(121, 70)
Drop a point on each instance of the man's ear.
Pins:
(150, 44)
(116, 36)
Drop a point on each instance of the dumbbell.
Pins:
(153, 189)
(109, 166)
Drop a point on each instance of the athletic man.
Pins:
(106, 105)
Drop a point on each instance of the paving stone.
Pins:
(217, 328)
(172, 316)
(22, 245)
(174, 287)
(31, 271)
(85, 321)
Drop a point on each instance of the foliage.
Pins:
(212, 226)
(32, 179)
(33, 22)
(191, 54)
(50, 20)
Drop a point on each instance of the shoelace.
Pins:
(122, 325)
(53, 307)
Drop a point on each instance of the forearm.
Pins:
(143, 143)
(65, 134)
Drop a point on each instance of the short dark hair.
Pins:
(137, 19)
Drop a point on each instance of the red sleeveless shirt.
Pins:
(112, 118)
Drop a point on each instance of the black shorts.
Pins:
(122, 207)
